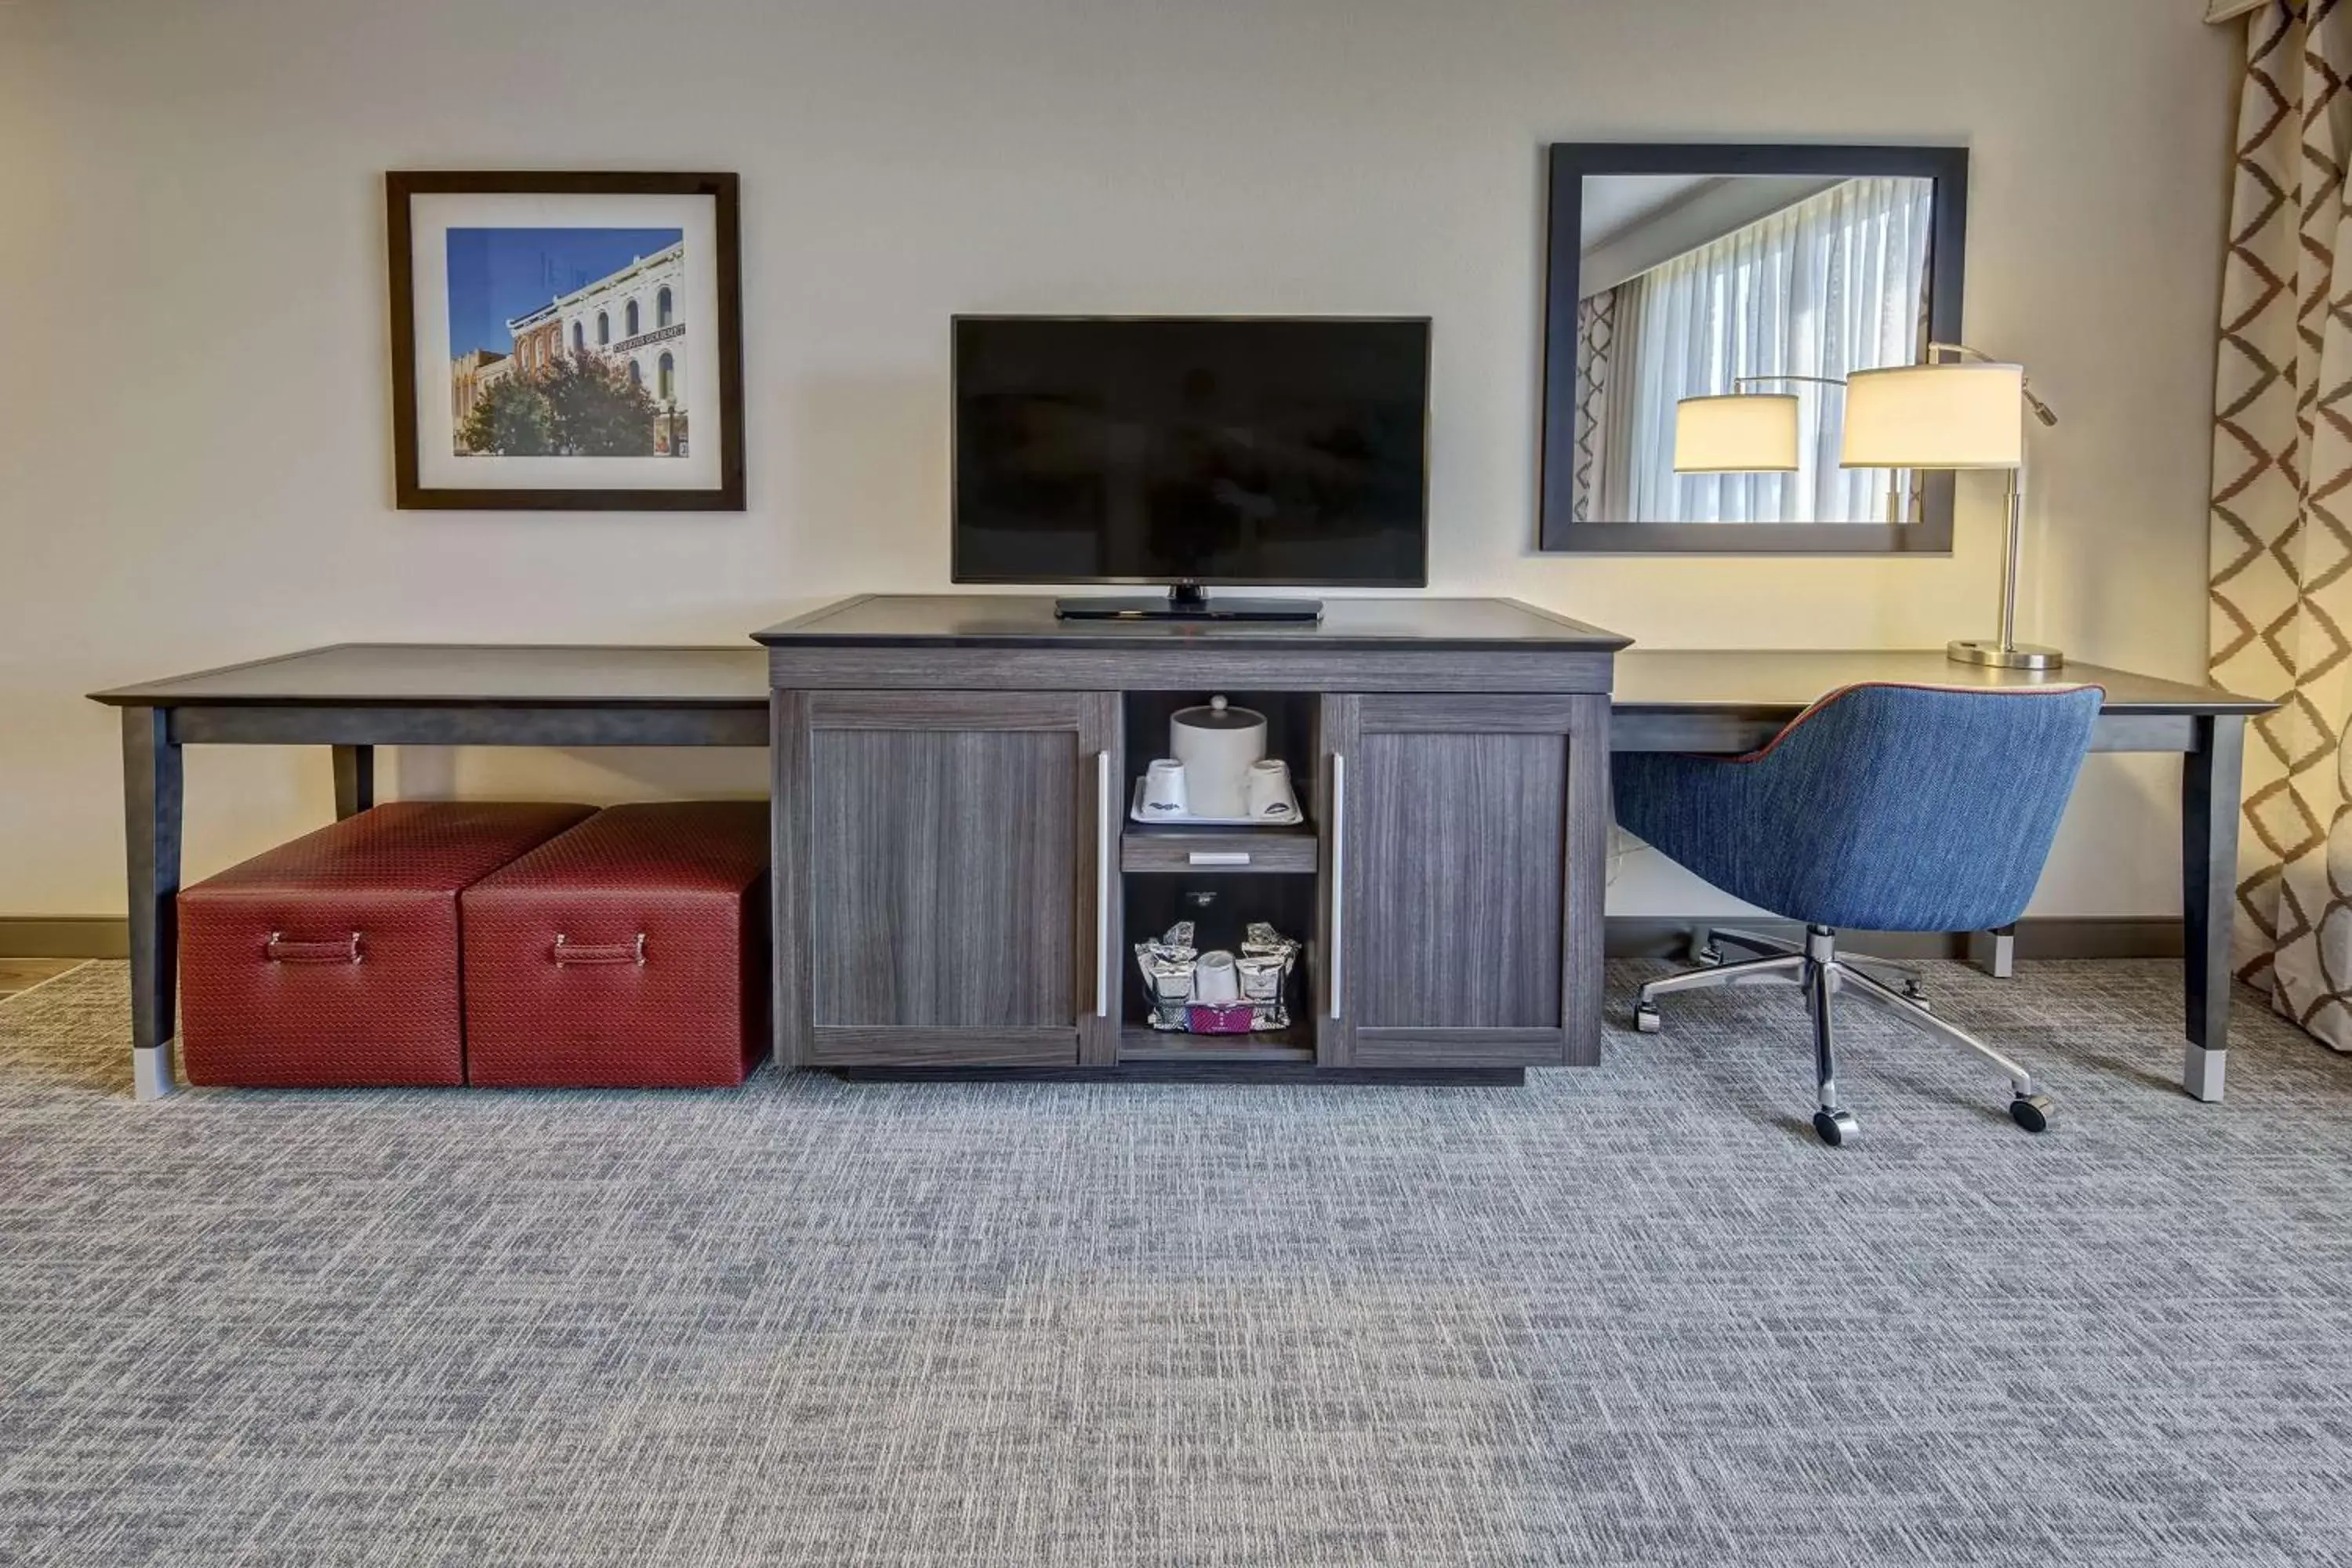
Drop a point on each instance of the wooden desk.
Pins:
(352, 698)
(1733, 701)
(356, 696)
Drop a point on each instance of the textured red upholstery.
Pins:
(269, 990)
(661, 981)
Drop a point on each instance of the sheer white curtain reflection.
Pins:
(1834, 284)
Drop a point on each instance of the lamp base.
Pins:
(1985, 650)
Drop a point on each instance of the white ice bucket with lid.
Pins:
(1217, 744)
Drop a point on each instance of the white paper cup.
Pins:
(1163, 789)
(1268, 792)
(1215, 980)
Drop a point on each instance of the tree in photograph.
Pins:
(598, 413)
(511, 419)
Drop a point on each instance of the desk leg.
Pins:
(354, 780)
(2210, 778)
(151, 796)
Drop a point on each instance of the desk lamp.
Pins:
(1966, 411)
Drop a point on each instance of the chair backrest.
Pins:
(1925, 808)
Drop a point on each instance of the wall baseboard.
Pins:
(1630, 936)
(64, 936)
(2053, 936)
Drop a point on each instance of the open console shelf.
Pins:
(1272, 1047)
(1292, 723)
(1221, 905)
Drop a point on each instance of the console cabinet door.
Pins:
(1471, 835)
(940, 902)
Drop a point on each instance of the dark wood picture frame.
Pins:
(726, 334)
(1568, 163)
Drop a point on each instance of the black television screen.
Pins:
(1185, 450)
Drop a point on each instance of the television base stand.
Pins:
(1185, 602)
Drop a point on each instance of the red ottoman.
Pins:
(333, 960)
(632, 953)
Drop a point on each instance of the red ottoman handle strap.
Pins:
(281, 949)
(566, 951)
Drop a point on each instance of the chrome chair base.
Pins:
(1823, 973)
(1707, 943)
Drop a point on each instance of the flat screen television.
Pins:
(1192, 452)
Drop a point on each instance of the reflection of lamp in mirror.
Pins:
(1966, 412)
(1745, 433)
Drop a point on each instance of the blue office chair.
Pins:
(1881, 807)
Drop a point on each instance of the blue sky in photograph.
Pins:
(498, 274)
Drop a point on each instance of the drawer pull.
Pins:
(282, 950)
(1218, 858)
(566, 951)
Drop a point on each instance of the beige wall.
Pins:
(194, 440)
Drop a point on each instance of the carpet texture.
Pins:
(1634, 1315)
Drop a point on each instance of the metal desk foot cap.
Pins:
(1995, 952)
(2201, 1072)
(150, 1071)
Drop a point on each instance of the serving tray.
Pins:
(1137, 812)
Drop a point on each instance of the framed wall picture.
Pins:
(566, 342)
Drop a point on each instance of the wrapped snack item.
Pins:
(1261, 976)
(1261, 940)
(1264, 966)
(1168, 963)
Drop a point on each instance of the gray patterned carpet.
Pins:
(1629, 1315)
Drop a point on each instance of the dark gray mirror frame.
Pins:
(1570, 162)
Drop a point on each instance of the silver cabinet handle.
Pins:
(1339, 873)
(1218, 858)
(1102, 884)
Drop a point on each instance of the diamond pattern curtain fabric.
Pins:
(2282, 521)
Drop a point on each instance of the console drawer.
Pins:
(1240, 851)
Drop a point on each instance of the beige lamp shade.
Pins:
(1936, 416)
(1742, 434)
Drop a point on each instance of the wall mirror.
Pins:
(1675, 270)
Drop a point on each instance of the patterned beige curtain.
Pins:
(2282, 521)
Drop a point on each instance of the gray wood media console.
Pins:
(959, 889)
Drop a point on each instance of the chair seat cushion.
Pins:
(631, 953)
(333, 960)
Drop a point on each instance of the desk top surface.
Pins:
(1756, 683)
(1027, 621)
(1765, 683)
(444, 674)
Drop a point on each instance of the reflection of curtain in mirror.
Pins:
(1832, 285)
(1596, 342)
(1612, 495)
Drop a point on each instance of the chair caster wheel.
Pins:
(2032, 1111)
(1836, 1126)
(1646, 1019)
(1916, 994)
